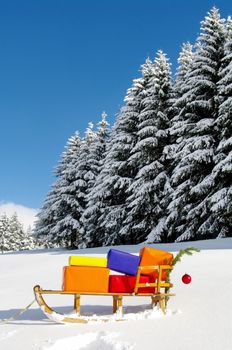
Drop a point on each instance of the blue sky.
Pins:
(63, 62)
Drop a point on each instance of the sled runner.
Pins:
(155, 290)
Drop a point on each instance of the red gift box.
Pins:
(126, 284)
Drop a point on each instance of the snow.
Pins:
(96, 340)
(198, 317)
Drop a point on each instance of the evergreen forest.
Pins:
(163, 171)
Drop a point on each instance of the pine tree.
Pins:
(16, 232)
(70, 152)
(178, 123)
(119, 169)
(97, 150)
(12, 234)
(147, 192)
(47, 216)
(96, 161)
(221, 196)
(28, 241)
(185, 60)
(53, 204)
(194, 151)
(5, 234)
(77, 177)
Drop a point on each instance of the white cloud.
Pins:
(27, 216)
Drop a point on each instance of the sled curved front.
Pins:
(61, 318)
(52, 314)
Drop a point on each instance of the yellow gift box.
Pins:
(87, 261)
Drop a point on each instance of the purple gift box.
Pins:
(123, 262)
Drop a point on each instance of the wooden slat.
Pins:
(44, 291)
(137, 281)
(154, 295)
(162, 285)
(156, 267)
(47, 291)
(159, 280)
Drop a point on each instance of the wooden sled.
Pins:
(157, 298)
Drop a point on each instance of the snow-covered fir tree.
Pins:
(171, 215)
(96, 151)
(96, 161)
(5, 235)
(119, 170)
(46, 218)
(184, 62)
(71, 151)
(146, 201)
(28, 241)
(194, 150)
(13, 236)
(54, 204)
(16, 232)
(122, 164)
(221, 196)
(78, 178)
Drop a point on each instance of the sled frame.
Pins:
(158, 297)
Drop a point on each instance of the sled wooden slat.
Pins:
(44, 291)
(156, 267)
(49, 291)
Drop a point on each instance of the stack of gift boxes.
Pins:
(94, 275)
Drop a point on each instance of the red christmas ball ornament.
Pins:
(186, 279)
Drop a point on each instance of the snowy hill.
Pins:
(200, 316)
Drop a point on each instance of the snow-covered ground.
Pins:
(199, 317)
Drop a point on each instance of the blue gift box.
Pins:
(123, 262)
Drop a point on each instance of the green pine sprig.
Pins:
(182, 252)
(178, 257)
